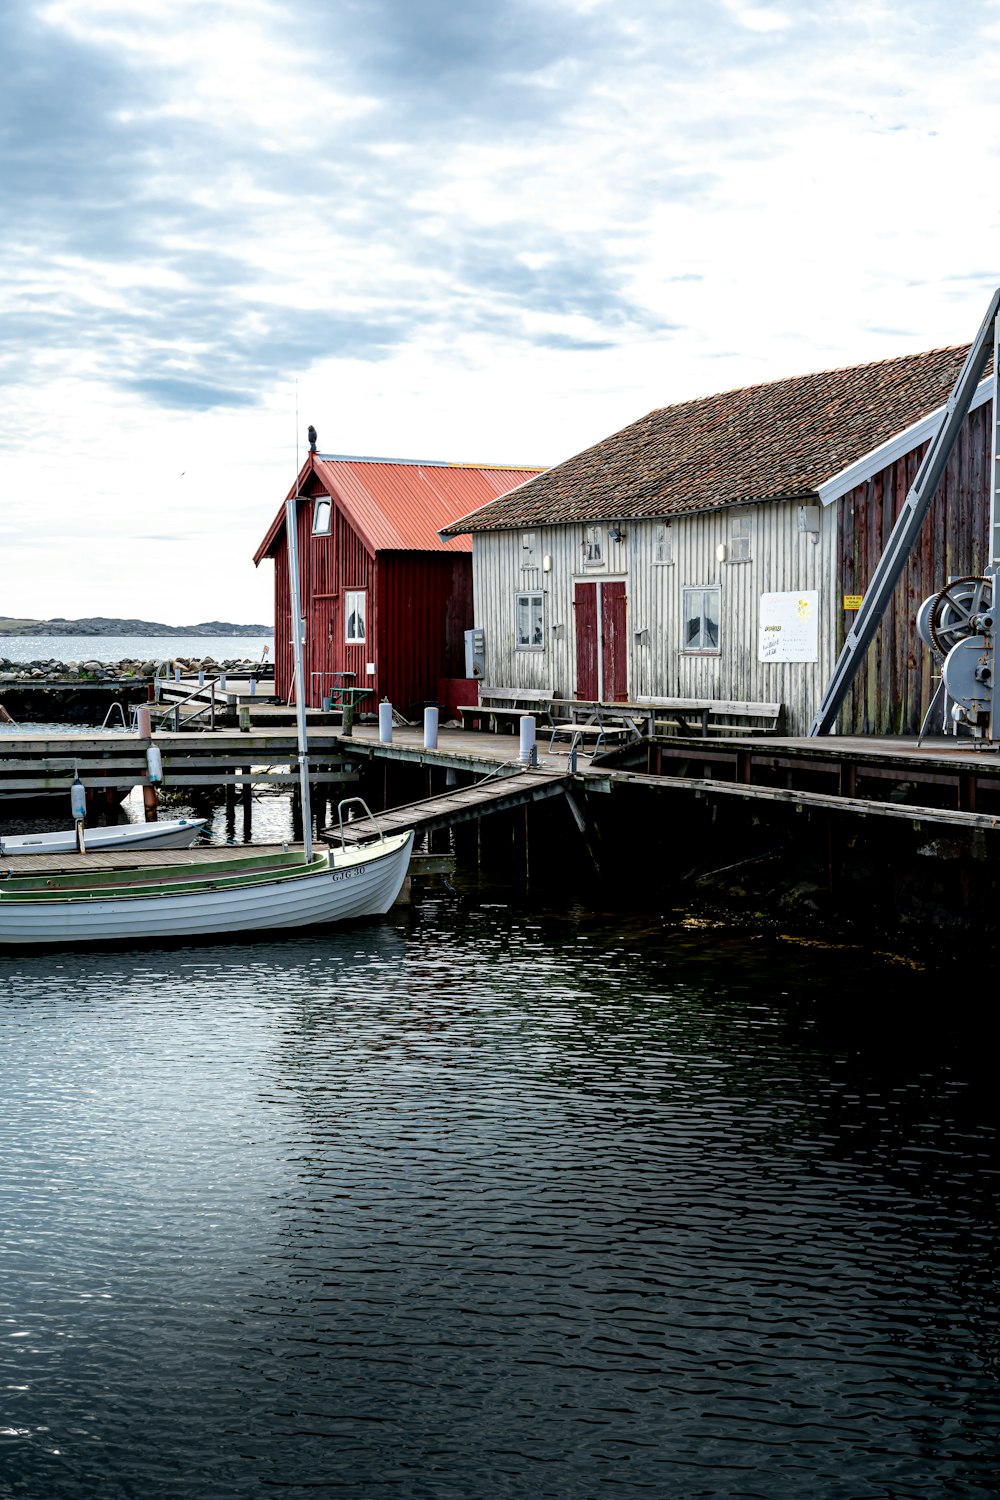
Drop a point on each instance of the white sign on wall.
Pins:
(789, 627)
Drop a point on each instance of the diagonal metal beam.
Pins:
(907, 527)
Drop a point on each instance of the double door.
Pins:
(601, 609)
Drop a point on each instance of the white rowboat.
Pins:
(258, 892)
(172, 833)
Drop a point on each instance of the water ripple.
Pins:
(476, 1203)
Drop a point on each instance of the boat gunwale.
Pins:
(284, 867)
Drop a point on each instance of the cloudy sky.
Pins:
(489, 231)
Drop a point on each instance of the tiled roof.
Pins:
(764, 442)
(400, 504)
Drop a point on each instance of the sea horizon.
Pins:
(114, 648)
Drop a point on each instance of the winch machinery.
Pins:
(958, 625)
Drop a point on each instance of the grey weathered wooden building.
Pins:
(718, 548)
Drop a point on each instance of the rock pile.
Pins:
(48, 670)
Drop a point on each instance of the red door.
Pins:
(585, 610)
(614, 643)
(601, 642)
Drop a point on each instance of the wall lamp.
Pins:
(615, 534)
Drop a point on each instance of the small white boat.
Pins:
(171, 833)
(226, 892)
(255, 892)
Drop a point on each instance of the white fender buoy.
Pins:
(385, 722)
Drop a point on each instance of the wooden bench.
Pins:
(498, 703)
(708, 716)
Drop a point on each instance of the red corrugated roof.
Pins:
(400, 505)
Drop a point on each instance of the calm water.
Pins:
(115, 648)
(473, 1202)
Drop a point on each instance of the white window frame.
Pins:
(702, 647)
(740, 539)
(663, 544)
(535, 600)
(352, 611)
(322, 515)
(593, 546)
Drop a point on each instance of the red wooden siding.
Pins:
(425, 608)
(419, 606)
(893, 689)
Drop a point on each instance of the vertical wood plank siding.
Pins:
(419, 606)
(425, 608)
(893, 689)
(894, 686)
(782, 559)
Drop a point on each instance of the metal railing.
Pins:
(172, 713)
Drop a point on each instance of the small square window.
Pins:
(663, 543)
(593, 545)
(528, 627)
(355, 617)
(701, 611)
(739, 539)
(322, 515)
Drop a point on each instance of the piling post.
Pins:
(149, 802)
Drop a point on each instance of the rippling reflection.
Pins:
(472, 1202)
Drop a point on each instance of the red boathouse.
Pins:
(384, 596)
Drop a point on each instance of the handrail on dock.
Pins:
(173, 711)
(121, 714)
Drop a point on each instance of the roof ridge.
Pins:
(428, 463)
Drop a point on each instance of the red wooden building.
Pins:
(384, 596)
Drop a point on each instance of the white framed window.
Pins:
(529, 630)
(663, 542)
(593, 546)
(701, 609)
(322, 515)
(739, 539)
(355, 617)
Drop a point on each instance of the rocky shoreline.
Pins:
(38, 672)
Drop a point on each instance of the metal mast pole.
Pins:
(298, 655)
(907, 527)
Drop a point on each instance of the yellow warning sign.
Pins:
(853, 601)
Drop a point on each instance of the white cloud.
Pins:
(494, 234)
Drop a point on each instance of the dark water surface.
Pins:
(478, 1203)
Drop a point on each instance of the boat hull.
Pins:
(172, 833)
(354, 884)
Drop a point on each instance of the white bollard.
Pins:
(253, 687)
(524, 754)
(385, 723)
(430, 728)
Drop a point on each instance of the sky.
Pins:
(489, 232)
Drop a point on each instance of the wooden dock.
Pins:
(492, 795)
(941, 780)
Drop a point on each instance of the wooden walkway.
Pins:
(493, 795)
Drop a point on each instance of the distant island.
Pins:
(100, 626)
